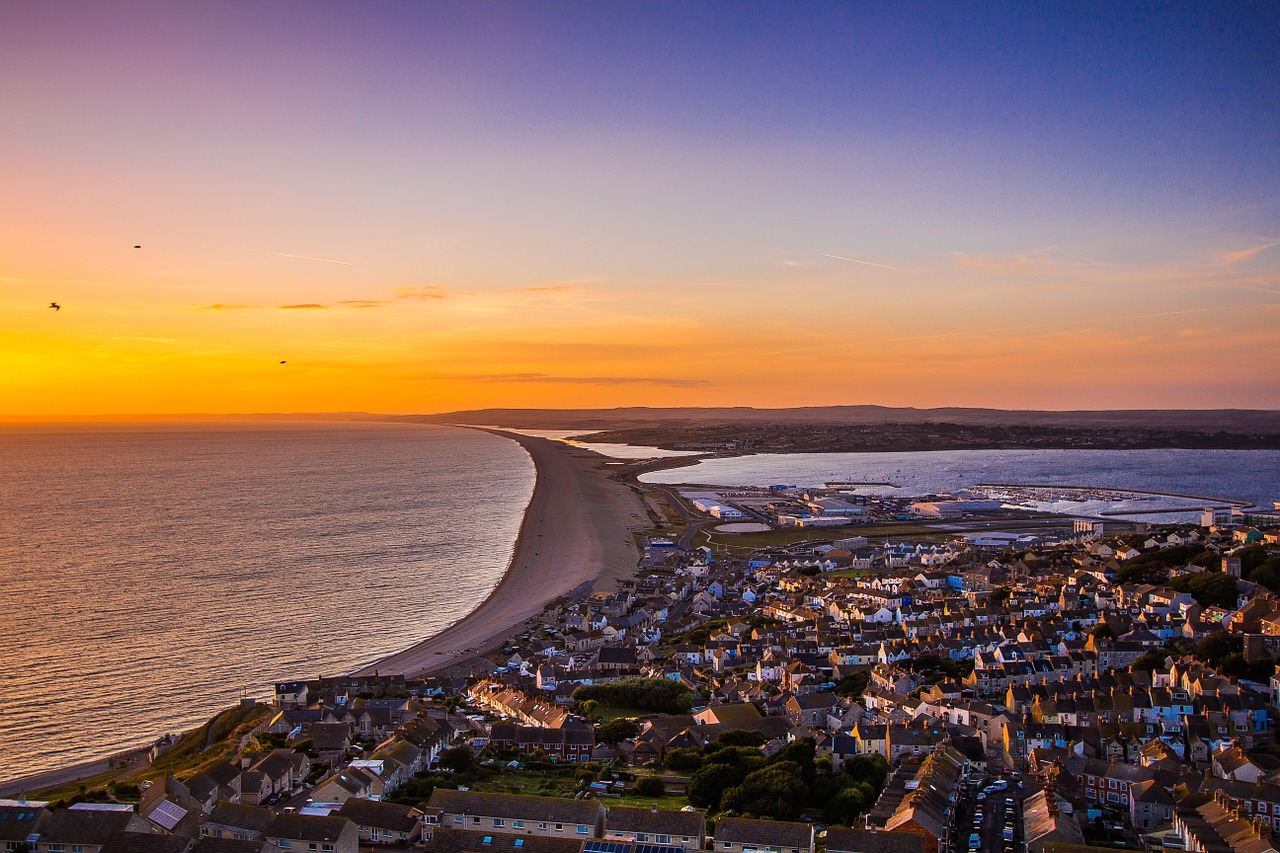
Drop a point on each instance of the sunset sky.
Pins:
(424, 206)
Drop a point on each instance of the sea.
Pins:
(152, 575)
(1249, 476)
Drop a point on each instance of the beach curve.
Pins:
(578, 528)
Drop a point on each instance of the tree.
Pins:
(1218, 646)
(853, 684)
(1209, 589)
(707, 786)
(740, 737)
(650, 786)
(871, 769)
(1103, 632)
(458, 759)
(1149, 662)
(617, 730)
(647, 694)
(802, 753)
(683, 760)
(776, 792)
(845, 807)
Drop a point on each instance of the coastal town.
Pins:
(1073, 685)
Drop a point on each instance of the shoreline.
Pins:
(577, 532)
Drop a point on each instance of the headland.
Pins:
(578, 532)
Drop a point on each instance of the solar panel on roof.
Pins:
(168, 814)
(626, 847)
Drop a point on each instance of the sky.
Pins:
(422, 207)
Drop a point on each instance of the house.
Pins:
(237, 821)
(841, 840)
(686, 830)
(170, 808)
(1046, 818)
(85, 827)
(148, 842)
(445, 839)
(570, 743)
(810, 709)
(920, 797)
(513, 813)
(383, 823)
(743, 835)
(302, 833)
(19, 820)
(1150, 806)
(350, 782)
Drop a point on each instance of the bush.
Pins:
(650, 786)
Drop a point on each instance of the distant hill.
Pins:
(1234, 421)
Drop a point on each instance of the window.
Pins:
(487, 840)
(475, 820)
(313, 846)
(517, 824)
(497, 821)
(542, 825)
(663, 839)
(1262, 808)
(519, 842)
(726, 845)
(458, 818)
(582, 830)
(283, 844)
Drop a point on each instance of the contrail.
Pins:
(1010, 329)
(864, 263)
(299, 257)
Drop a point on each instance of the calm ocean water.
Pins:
(151, 573)
(1249, 475)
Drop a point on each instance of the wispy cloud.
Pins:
(864, 263)
(305, 306)
(1241, 255)
(1002, 329)
(298, 257)
(219, 306)
(566, 380)
(363, 303)
(427, 292)
(1037, 260)
(555, 288)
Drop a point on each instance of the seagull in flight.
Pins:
(55, 306)
(282, 362)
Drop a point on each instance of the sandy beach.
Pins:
(578, 529)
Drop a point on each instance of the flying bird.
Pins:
(55, 306)
(137, 247)
(282, 362)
